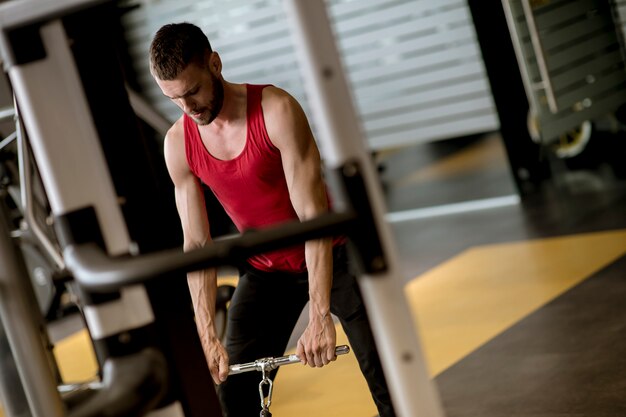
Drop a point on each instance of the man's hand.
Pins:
(216, 358)
(316, 346)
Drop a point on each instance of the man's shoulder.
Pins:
(174, 141)
(176, 132)
(273, 93)
(276, 101)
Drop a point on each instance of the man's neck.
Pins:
(233, 108)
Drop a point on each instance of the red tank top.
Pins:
(251, 187)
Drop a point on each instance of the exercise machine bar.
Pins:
(98, 272)
(272, 363)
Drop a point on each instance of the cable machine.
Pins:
(106, 202)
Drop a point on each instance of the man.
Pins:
(252, 145)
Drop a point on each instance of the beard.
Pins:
(209, 113)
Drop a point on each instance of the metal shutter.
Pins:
(414, 65)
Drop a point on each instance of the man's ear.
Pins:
(215, 63)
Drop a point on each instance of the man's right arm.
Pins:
(194, 220)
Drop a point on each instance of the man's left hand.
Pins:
(316, 346)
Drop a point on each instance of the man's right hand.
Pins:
(216, 358)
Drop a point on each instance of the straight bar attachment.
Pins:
(272, 363)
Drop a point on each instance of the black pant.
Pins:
(261, 318)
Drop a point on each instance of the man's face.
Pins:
(197, 91)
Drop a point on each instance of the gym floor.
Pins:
(519, 307)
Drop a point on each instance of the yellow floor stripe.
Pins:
(468, 300)
(76, 358)
(459, 306)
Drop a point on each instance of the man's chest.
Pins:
(227, 144)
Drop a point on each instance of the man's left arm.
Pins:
(290, 132)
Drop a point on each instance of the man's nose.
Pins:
(188, 104)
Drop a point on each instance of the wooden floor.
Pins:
(520, 308)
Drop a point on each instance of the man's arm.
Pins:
(289, 130)
(194, 220)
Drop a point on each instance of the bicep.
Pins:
(292, 135)
(189, 197)
(192, 212)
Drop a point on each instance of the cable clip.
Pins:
(265, 367)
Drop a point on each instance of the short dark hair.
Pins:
(175, 46)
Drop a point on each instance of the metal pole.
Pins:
(341, 140)
(12, 393)
(28, 201)
(22, 325)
